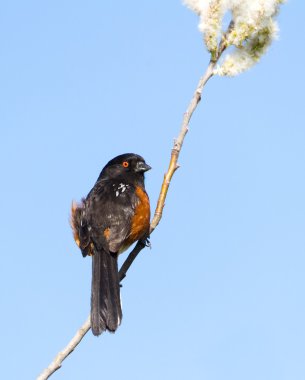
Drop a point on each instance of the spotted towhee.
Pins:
(115, 214)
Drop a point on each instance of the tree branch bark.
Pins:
(173, 166)
(61, 356)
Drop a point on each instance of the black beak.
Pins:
(142, 167)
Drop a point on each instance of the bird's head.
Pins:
(128, 164)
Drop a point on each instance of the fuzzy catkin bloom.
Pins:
(251, 32)
(211, 14)
(249, 17)
(247, 55)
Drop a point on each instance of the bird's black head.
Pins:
(128, 164)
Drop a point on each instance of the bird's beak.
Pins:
(142, 167)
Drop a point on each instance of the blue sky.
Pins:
(221, 293)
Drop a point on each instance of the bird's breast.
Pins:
(140, 221)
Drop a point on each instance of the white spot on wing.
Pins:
(120, 189)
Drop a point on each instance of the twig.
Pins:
(173, 166)
(130, 259)
(61, 356)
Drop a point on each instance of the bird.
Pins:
(114, 215)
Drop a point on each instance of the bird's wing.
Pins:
(110, 207)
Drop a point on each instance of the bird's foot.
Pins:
(146, 242)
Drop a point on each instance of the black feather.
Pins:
(106, 312)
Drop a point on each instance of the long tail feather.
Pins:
(106, 312)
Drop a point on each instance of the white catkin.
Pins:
(246, 56)
(253, 31)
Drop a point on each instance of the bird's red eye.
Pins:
(125, 164)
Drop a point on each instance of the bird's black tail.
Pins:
(106, 312)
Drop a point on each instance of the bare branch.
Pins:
(61, 356)
(173, 166)
(130, 259)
